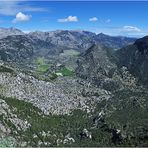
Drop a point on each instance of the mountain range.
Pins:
(72, 88)
(54, 42)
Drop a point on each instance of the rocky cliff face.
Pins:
(135, 58)
(16, 48)
(97, 65)
(20, 48)
(78, 40)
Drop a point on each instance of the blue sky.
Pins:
(113, 18)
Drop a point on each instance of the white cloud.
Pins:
(13, 7)
(93, 19)
(21, 17)
(68, 19)
(131, 29)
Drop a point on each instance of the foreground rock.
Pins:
(60, 97)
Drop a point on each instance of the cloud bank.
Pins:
(68, 19)
(127, 30)
(131, 29)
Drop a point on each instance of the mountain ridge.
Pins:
(135, 58)
(63, 89)
(54, 42)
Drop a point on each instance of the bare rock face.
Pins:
(4, 32)
(96, 65)
(78, 40)
(54, 98)
(45, 95)
(96, 60)
(16, 48)
(135, 58)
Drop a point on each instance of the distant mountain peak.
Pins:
(11, 29)
(4, 32)
(103, 34)
(142, 45)
(115, 42)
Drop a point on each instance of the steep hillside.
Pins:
(124, 114)
(97, 65)
(135, 58)
(22, 48)
(16, 48)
